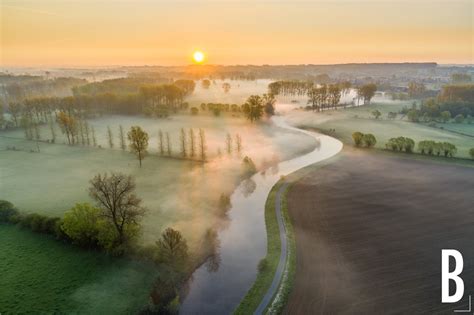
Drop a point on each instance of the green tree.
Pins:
(445, 116)
(459, 118)
(138, 142)
(253, 108)
(82, 225)
(7, 211)
(367, 92)
(471, 153)
(357, 137)
(369, 140)
(376, 113)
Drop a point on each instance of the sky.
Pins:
(165, 32)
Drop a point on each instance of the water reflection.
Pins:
(248, 186)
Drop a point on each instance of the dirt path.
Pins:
(369, 231)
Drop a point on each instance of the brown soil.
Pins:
(369, 231)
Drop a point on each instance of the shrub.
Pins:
(369, 140)
(194, 110)
(39, 223)
(357, 137)
(459, 118)
(7, 211)
(471, 153)
(82, 225)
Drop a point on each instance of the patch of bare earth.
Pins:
(369, 232)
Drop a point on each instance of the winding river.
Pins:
(244, 243)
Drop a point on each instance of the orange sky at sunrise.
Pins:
(126, 32)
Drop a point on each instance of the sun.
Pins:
(198, 56)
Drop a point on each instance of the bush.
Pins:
(459, 119)
(82, 225)
(369, 140)
(194, 111)
(471, 153)
(7, 211)
(357, 137)
(436, 148)
(39, 223)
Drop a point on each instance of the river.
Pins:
(244, 243)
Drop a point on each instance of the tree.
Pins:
(238, 143)
(448, 149)
(366, 92)
(194, 111)
(138, 142)
(123, 144)
(228, 143)
(226, 86)
(53, 131)
(471, 153)
(413, 115)
(168, 144)
(15, 109)
(376, 113)
(120, 207)
(369, 140)
(391, 115)
(459, 119)
(357, 137)
(269, 104)
(202, 144)
(334, 94)
(206, 83)
(248, 167)
(94, 139)
(161, 146)
(416, 89)
(82, 224)
(110, 137)
(68, 126)
(7, 211)
(182, 139)
(192, 143)
(445, 116)
(253, 108)
(172, 248)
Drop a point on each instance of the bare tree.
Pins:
(168, 144)
(238, 143)
(202, 144)
(182, 139)
(120, 206)
(192, 143)
(228, 144)
(110, 137)
(160, 142)
(94, 139)
(123, 144)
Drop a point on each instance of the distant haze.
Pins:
(164, 32)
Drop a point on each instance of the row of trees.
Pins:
(437, 148)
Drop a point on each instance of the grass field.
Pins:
(177, 193)
(43, 276)
(369, 240)
(347, 121)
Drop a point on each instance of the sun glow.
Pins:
(198, 56)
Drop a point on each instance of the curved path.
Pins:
(244, 242)
(272, 290)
